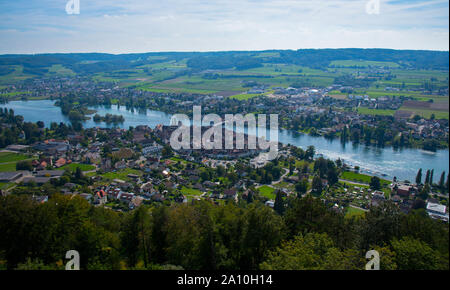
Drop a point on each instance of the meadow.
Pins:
(165, 74)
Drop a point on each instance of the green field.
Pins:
(7, 167)
(426, 113)
(366, 111)
(362, 178)
(190, 191)
(364, 63)
(351, 211)
(121, 174)
(267, 191)
(73, 166)
(8, 160)
(11, 157)
(244, 96)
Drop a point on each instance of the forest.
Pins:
(90, 63)
(201, 235)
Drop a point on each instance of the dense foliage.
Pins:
(90, 63)
(202, 235)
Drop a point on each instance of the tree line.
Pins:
(202, 235)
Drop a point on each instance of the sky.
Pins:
(130, 26)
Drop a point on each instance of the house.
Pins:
(270, 203)
(42, 165)
(377, 198)
(147, 187)
(209, 184)
(406, 206)
(70, 185)
(40, 199)
(157, 197)
(437, 211)
(52, 146)
(230, 193)
(136, 202)
(100, 197)
(404, 190)
(120, 165)
(60, 162)
(126, 197)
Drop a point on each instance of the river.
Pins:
(385, 162)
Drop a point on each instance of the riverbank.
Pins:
(402, 163)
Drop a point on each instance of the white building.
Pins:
(437, 211)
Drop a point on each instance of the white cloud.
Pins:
(188, 25)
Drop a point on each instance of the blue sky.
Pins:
(124, 26)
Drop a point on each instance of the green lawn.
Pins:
(362, 178)
(8, 160)
(73, 166)
(6, 185)
(11, 157)
(7, 167)
(267, 191)
(351, 211)
(244, 96)
(366, 111)
(190, 191)
(121, 174)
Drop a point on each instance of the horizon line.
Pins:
(214, 51)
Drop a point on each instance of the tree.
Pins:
(332, 176)
(167, 151)
(447, 183)
(279, 203)
(419, 177)
(431, 177)
(425, 191)
(250, 197)
(24, 165)
(381, 224)
(427, 177)
(442, 182)
(312, 251)
(317, 186)
(78, 173)
(263, 230)
(135, 236)
(413, 254)
(310, 152)
(375, 183)
(301, 187)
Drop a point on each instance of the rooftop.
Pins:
(436, 207)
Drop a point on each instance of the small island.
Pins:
(109, 118)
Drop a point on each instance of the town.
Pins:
(87, 161)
